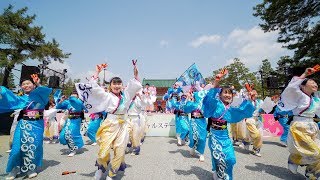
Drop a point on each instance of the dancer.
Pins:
(216, 106)
(303, 144)
(113, 132)
(51, 132)
(198, 124)
(27, 148)
(182, 119)
(135, 122)
(70, 134)
(254, 126)
(283, 117)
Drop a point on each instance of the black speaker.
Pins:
(296, 71)
(54, 81)
(272, 82)
(27, 71)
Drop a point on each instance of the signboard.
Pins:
(161, 125)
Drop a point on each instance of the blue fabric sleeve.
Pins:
(57, 96)
(63, 105)
(40, 95)
(245, 110)
(77, 104)
(9, 101)
(210, 102)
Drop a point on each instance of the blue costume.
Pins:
(283, 117)
(95, 121)
(171, 98)
(182, 119)
(27, 147)
(222, 152)
(70, 134)
(198, 123)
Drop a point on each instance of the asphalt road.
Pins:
(160, 158)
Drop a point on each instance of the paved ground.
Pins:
(161, 159)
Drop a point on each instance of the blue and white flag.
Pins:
(191, 77)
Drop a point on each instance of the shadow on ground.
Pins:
(273, 143)
(184, 153)
(67, 151)
(120, 174)
(279, 172)
(198, 171)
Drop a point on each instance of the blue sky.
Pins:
(165, 36)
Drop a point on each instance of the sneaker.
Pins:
(94, 144)
(32, 174)
(8, 151)
(98, 174)
(13, 173)
(201, 159)
(257, 152)
(179, 141)
(293, 168)
(192, 152)
(47, 142)
(133, 154)
(237, 143)
(72, 153)
(246, 147)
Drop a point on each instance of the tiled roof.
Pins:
(159, 82)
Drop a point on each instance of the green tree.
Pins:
(238, 75)
(20, 40)
(265, 71)
(68, 87)
(288, 67)
(297, 22)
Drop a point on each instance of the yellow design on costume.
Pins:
(121, 121)
(303, 145)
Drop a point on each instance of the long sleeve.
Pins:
(40, 95)
(76, 104)
(292, 95)
(94, 97)
(210, 102)
(9, 101)
(236, 114)
(63, 105)
(57, 96)
(132, 88)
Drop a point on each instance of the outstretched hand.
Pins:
(35, 79)
(135, 69)
(222, 73)
(100, 67)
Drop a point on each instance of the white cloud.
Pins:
(164, 43)
(254, 45)
(211, 39)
